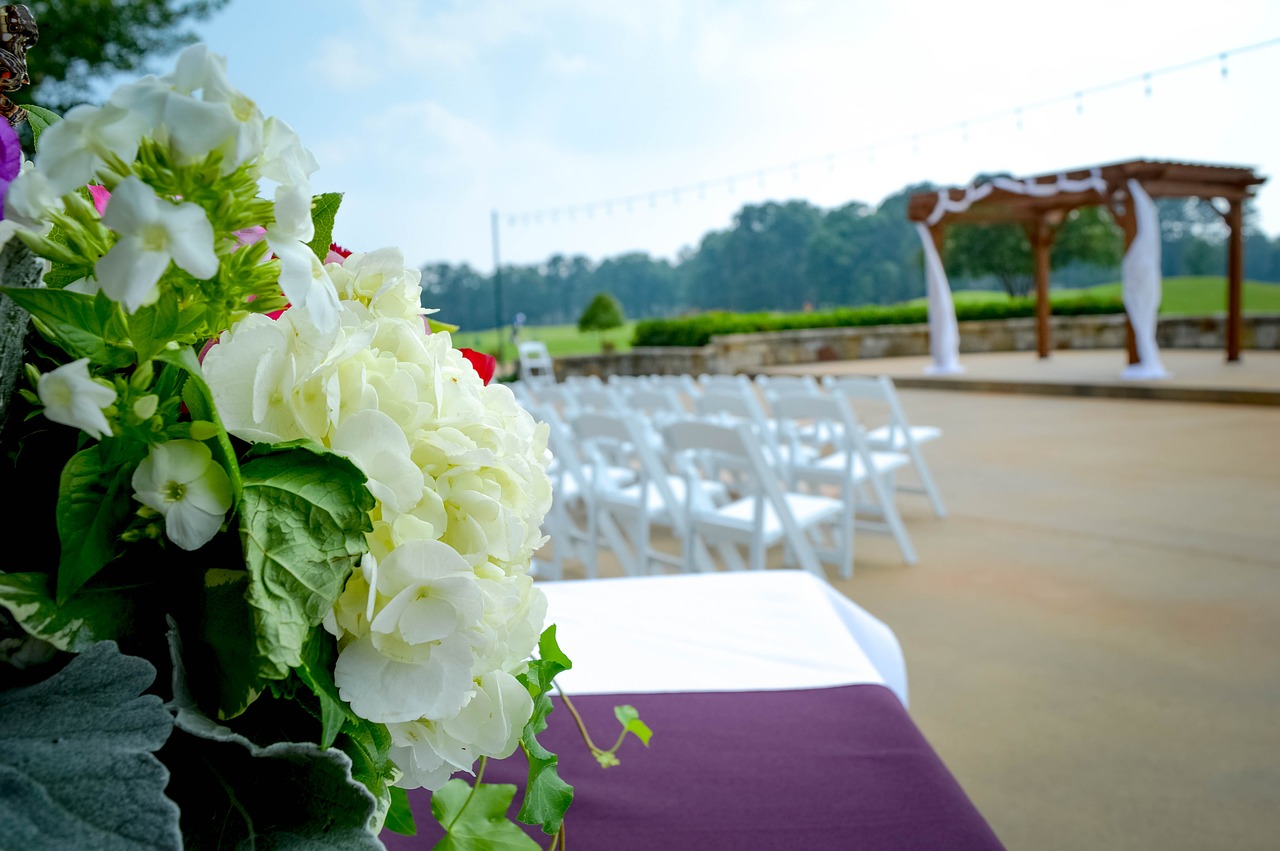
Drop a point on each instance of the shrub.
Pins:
(698, 330)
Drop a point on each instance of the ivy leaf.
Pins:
(368, 746)
(629, 718)
(89, 616)
(303, 515)
(84, 326)
(547, 797)
(94, 500)
(477, 822)
(324, 212)
(400, 816)
(39, 118)
(76, 759)
(437, 326)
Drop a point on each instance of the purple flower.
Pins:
(10, 160)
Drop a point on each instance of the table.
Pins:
(779, 715)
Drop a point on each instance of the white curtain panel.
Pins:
(1141, 286)
(944, 333)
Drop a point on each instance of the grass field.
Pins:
(1191, 296)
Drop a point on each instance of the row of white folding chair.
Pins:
(896, 434)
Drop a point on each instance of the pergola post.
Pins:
(1235, 277)
(1040, 234)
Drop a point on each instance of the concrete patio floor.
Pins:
(1091, 636)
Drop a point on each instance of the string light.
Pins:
(1018, 113)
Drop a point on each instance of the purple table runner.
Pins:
(833, 768)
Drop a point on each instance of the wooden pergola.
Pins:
(1041, 216)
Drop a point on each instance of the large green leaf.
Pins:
(319, 655)
(324, 212)
(235, 793)
(153, 326)
(93, 503)
(76, 763)
(476, 820)
(400, 816)
(546, 797)
(92, 615)
(84, 326)
(227, 630)
(303, 515)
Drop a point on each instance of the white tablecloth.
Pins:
(748, 631)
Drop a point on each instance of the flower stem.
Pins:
(582, 727)
(484, 760)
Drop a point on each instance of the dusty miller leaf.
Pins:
(76, 763)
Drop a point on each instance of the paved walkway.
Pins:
(1091, 635)
(1198, 375)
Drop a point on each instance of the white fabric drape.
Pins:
(1141, 286)
(973, 194)
(944, 333)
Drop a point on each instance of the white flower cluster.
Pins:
(443, 614)
(100, 144)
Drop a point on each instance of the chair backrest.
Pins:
(656, 402)
(536, 365)
(723, 383)
(876, 389)
(626, 440)
(600, 398)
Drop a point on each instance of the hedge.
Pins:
(698, 330)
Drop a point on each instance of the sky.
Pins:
(599, 127)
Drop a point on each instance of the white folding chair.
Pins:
(655, 499)
(574, 489)
(896, 435)
(536, 365)
(763, 515)
(846, 463)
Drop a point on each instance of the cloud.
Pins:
(566, 66)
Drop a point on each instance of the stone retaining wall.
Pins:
(748, 352)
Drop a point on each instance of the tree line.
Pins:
(794, 256)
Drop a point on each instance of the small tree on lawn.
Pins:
(602, 314)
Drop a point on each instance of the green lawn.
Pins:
(560, 339)
(1190, 296)
(1182, 296)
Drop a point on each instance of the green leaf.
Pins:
(368, 745)
(318, 657)
(324, 212)
(629, 718)
(39, 118)
(152, 326)
(227, 630)
(477, 822)
(84, 326)
(89, 616)
(303, 515)
(547, 797)
(400, 816)
(94, 501)
(76, 758)
(437, 326)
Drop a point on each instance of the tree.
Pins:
(602, 314)
(85, 40)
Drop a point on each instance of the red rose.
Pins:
(484, 364)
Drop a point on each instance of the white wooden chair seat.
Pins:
(891, 437)
(739, 516)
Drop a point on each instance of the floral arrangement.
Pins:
(280, 486)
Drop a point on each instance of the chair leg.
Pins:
(889, 510)
(922, 470)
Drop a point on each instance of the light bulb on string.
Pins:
(831, 162)
(729, 185)
(653, 200)
(1223, 57)
(675, 196)
(1146, 83)
(795, 171)
(964, 131)
(1079, 103)
(760, 178)
(511, 221)
(1017, 112)
(702, 191)
(915, 144)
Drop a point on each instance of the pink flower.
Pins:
(101, 195)
(336, 254)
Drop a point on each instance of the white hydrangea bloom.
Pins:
(70, 396)
(442, 616)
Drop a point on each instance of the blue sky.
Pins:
(428, 115)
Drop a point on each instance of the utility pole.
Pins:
(497, 287)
